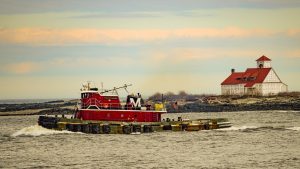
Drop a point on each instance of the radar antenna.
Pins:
(116, 88)
(125, 88)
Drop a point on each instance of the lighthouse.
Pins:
(262, 80)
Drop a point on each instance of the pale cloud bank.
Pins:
(180, 55)
(34, 36)
(156, 59)
(22, 67)
(29, 67)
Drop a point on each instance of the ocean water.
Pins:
(267, 139)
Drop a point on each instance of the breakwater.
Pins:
(53, 107)
(202, 107)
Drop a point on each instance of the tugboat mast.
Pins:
(116, 88)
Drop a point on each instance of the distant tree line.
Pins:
(182, 95)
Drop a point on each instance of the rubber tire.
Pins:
(95, 128)
(167, 127)
(70, 127)
(147, 129)
(206, 126)
(136, 128)
(85, 128)
(106, 129)
(127, 129)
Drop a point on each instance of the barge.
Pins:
(101, 112)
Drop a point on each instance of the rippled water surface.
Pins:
(256, 140)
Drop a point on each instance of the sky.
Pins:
(49, 48)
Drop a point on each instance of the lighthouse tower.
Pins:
(263, 62)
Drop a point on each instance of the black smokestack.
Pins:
(232, 70)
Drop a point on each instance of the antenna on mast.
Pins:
(102, 87)
(125, 88)
(89, 85)
(116, 88)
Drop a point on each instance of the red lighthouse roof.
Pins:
(263, 58)
(250, 77)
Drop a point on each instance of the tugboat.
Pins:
(106, 106)
(101, 112)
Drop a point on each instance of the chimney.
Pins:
(232, 70)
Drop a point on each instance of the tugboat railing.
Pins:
(96, 104)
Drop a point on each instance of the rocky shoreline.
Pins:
(200, 107)
(233, 103)
(176, 104)
(53, 108)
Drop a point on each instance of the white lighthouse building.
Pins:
(261, 80)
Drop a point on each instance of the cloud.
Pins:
(293, 32)
(34, 6)
(66, 63)
(88, 62)
(119, 15)
(182, 55)
(22, 67)
(34, 36)
(162, 59)
(293, 53)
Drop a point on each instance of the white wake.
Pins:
(294, 128)
(236, 128)
(37, 130)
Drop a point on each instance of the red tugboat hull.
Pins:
(120, 115)
(105, 105)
